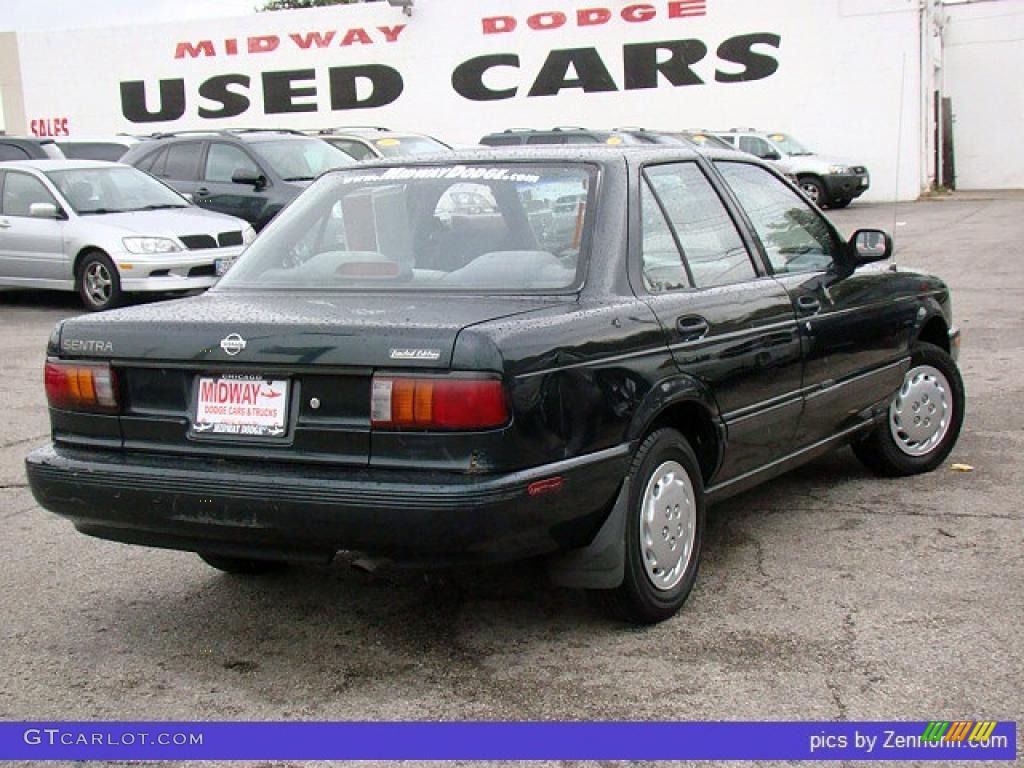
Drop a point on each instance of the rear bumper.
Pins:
(299, 512)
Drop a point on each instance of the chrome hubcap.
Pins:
(98, 283)
(668, 525)
(811, 191)
(921, 412)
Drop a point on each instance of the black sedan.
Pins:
(390, 372)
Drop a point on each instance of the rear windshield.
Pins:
(504, 228)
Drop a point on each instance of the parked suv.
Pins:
(828, 181)
(368, 142)
(18, 148)
(251, 173)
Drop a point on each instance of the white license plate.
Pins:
(246, 406)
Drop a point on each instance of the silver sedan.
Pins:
(106, 229)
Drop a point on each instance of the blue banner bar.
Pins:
(495, 741)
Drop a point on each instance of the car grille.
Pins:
(198, 242)
(202, 242)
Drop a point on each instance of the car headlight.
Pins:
(144, 245)
(248, 235)
(838, 169)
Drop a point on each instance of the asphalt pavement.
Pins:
(827, 594)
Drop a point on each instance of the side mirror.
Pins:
(43, 211)
(771, 155)
(249, 176)
(868, 245)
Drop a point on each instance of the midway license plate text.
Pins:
(249, 406)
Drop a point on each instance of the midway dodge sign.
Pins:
(834, 74)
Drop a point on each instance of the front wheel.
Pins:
(99, 283)
(924, 418)
(814, 190)
(663, 531)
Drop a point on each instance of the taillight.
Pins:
(81, 387)
(400, 402)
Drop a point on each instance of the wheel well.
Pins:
(695, 423)
(82, 254)
(935, 332)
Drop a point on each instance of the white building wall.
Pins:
(984, 59)
(848, 80)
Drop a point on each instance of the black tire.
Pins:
(94, 294)
(242, 566)
(813, 188)
(841, 203)
(881, 451)
(637, 600)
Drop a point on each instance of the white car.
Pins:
(830, 182)
(106, 229)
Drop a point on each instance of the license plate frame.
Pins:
(233, 406)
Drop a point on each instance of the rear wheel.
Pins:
(924, 418)
(99, 283)
(664, 529)
(241, 565)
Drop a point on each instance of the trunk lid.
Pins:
(318, 351)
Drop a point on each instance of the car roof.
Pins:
(27, 139)
(100, 139)
(600, 154)
(59, 164)
(371, 133)
(248, 135)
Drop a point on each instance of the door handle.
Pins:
(808, 304)
(692, 327)
(202, 192)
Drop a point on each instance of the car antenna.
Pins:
(899, 153)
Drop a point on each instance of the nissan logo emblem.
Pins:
(232, 344)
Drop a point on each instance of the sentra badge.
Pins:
(87, 345)
(232, 344)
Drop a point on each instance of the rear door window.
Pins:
(755, 146)
(711, 244)
(182, 163)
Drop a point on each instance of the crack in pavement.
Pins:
(24, 440)
(906, 511)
